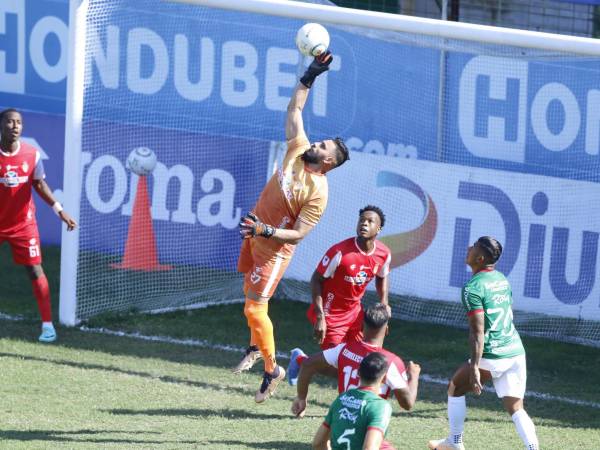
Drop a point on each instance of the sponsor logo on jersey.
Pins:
(352, 266)
(345, 414)
(359, 279)
(495, 286)
(500, 298)
(285, 183)
(12, 179)
(350, 402)
(351, 356)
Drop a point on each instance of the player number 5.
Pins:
(344, 440)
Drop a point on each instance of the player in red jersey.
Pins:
(339, 283)
(346, 358)
(21, 169)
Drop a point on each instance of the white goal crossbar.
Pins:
(406, 24)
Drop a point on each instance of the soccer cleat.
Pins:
(48, 334)
(269, 384)
(294, 367)
(252, 355)
(445, 444)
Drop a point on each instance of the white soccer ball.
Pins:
(312, 39)
(141, 161)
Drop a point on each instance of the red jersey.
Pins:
(18, 170)
(347, 271)
(347, 357)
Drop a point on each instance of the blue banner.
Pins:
(197, 197)
(531, 116)
(223, 75)
(586, 2)
(33, 54)
(219, 72)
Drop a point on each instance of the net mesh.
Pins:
(452, 139)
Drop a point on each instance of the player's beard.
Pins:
(310, 156)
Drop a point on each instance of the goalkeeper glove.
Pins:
(319, 65)
(251, 226)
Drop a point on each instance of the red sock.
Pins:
(41, 291)
(300, 359)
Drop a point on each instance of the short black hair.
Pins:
(372, 367)
(491, 247)
(376, 316)
(342, 154)
(6, 111)
(375, 209)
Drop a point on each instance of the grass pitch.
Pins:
(97, 391)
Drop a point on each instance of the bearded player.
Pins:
(290, 205)
(497, 352)
(339, 283)
(21, 169)
(345, 359)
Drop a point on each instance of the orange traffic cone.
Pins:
(140, 248)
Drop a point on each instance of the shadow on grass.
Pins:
(82, 436)
(193, 412)
(272, 445)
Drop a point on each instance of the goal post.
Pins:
(456, 131)
(72, 156)
(332, 14)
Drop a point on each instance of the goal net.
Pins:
(457, 131)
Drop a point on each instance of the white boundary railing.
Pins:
(396, 22)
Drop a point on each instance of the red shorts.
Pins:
(25, 245)
(339, 331)
(263, 270)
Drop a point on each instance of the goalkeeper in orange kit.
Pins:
(289, 206)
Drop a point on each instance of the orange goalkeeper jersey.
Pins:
(292, 193)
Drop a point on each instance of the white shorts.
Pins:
(509, 375)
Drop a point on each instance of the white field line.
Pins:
(202, 305)
(9, 317)
(232, 348)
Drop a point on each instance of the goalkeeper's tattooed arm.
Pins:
(251, 226)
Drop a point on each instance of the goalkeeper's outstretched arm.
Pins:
(294, 125)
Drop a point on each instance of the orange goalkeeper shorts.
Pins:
(262, 269)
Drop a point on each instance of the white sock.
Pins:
(457, 411)
(47, 324)
(526, 429)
